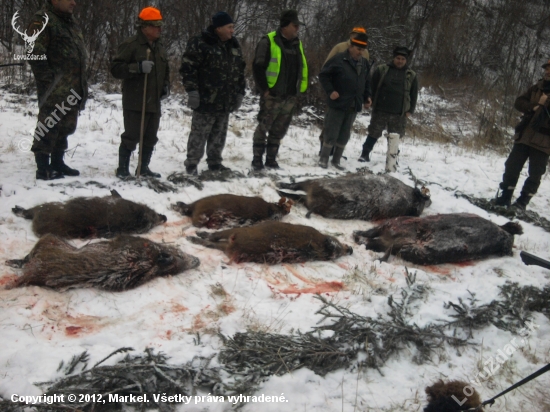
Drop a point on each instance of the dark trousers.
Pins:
(51, 134)
(337, 127)
(132, 129)
(393, 123)
(514, 164)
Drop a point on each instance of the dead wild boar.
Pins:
(358, 196)
(215, 212)
(273, 242)
(88, 217)
(448, 238)
(114, 265)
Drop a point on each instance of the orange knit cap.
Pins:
(359, 30)
(150, 14)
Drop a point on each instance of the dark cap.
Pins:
(545, 65)
(289, 16)
(220, 19)
(401, 51)
(360, 40)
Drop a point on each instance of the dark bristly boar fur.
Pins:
(450, 238)
(88, 217)
(358, 196)
(450, 397)
(114, 265)
(215, 212)
(272, 243)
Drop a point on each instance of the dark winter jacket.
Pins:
(125, 66)
(537, 133)
(349, 79)
(64, 67)
(215, 69)
(290, 75)
(394, 90)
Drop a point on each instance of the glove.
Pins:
(165, 91)
(194, 100)
(238, 102)
(145, 66)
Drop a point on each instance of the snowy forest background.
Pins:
(477, 51)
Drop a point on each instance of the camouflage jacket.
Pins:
(125, 66)
(64, 68)
(215, 69)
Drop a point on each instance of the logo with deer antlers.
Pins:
(29, 40)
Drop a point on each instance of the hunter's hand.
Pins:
(146, 66)
(543, 98)
(334, 95)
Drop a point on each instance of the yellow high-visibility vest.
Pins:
(274, 67)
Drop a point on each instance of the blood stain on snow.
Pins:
(8, 279)
(325, 287)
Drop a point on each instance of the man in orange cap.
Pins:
(340, 48)
(139, 56)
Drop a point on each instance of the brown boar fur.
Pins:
(116, 265)
(273, 242)
(445, 238)
(88, 217)
(214, 212)
(440, 397)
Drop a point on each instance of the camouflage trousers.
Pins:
(53, 129)
(210, 130)
(273, 119)
(132, 129)
(393, 123)
(337, 127)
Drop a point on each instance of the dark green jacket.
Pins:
(394, 98)
(349, 79)
(65, 65)
(537, 133)
(125, 66)
(215, 69)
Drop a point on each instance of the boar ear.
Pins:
(232, 239)
(115, 194)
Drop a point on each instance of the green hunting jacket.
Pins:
(125, 66)
(537, 133)
(215, 69)
(58, 60)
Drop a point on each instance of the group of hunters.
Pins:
(212, 72)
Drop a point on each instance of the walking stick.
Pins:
(142, 120)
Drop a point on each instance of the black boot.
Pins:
(505, 197)
(367, 148)
(258, 153)
(338, 152)
(522, 201)
(325, 153)
(43, 169)
(59, 165)
(146, 153)
(271, 156)
(124, 154)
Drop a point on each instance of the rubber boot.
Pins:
(325, 153)
(338, 151)
(522, 201)
(505, 197)
(392, 153)
(271, 156)
(123, 170)
(59, 165)
(367, 148)
(43, 169)
(257, 161)
(146, 153)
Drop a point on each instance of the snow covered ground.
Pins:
(41, 327)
